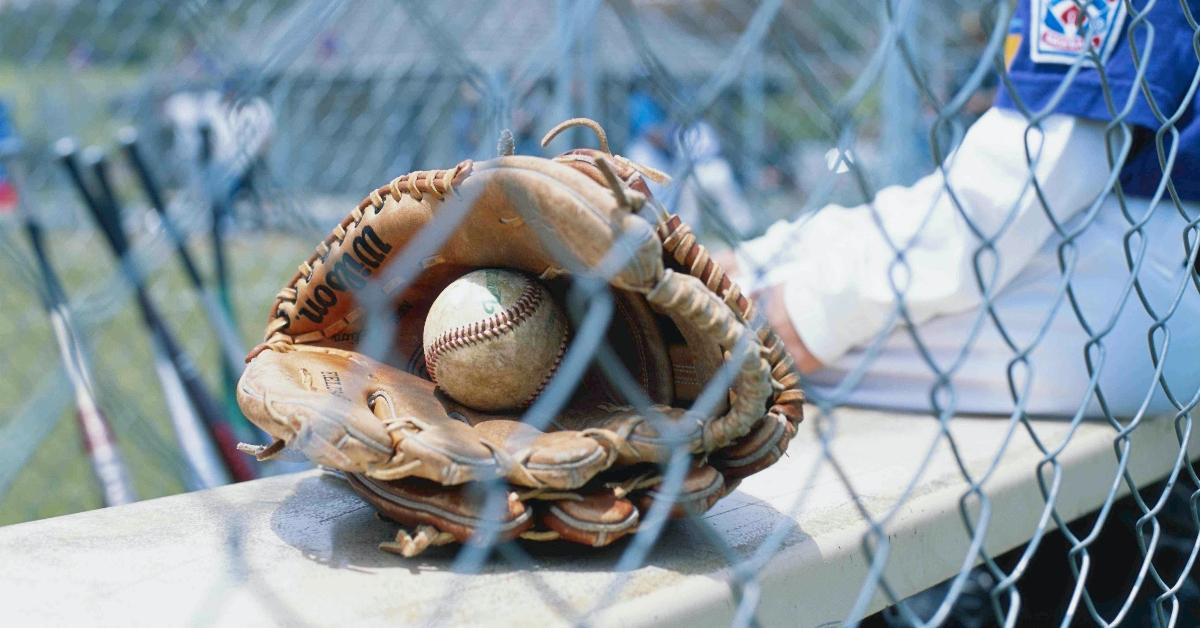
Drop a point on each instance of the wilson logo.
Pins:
(365, 253)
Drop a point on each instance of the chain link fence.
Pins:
(760, 111)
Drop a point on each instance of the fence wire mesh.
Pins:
(1067, 293)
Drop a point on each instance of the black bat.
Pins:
(219, 429)
(216, 190)
(99, 442)
(232, 350)
(219, 192)
(202, 465)
(182, 388)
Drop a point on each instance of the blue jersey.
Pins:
(1051, 36)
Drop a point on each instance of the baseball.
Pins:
(493, 338)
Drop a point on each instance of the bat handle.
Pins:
(107, 464)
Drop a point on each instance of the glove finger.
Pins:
(596, 519)
(414, 502)
(701, 488)
(762, 447)
(315, 401)
(451, 444)
(433, 438)
(556, 460)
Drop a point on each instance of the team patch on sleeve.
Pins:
(1062, 30)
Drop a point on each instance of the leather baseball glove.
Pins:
(588, 458)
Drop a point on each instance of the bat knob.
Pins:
(127, 136)
(65, 146)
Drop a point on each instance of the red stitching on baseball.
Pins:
(562, 350)
(499, 323)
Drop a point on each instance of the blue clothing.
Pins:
(644, 113)
(1170, 70)
(7, 134)
(6, 128)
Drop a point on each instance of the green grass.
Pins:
(86, 98)
(57, 480)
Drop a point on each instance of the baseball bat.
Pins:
(232, 350)
(214, 421)
(99, 441)
(219, 193)
(220, 197)
(202, 465)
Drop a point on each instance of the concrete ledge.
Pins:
(300, 549)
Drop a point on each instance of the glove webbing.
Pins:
(680, 243)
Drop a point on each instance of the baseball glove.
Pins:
(580, 467)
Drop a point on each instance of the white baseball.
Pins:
(493, 338)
